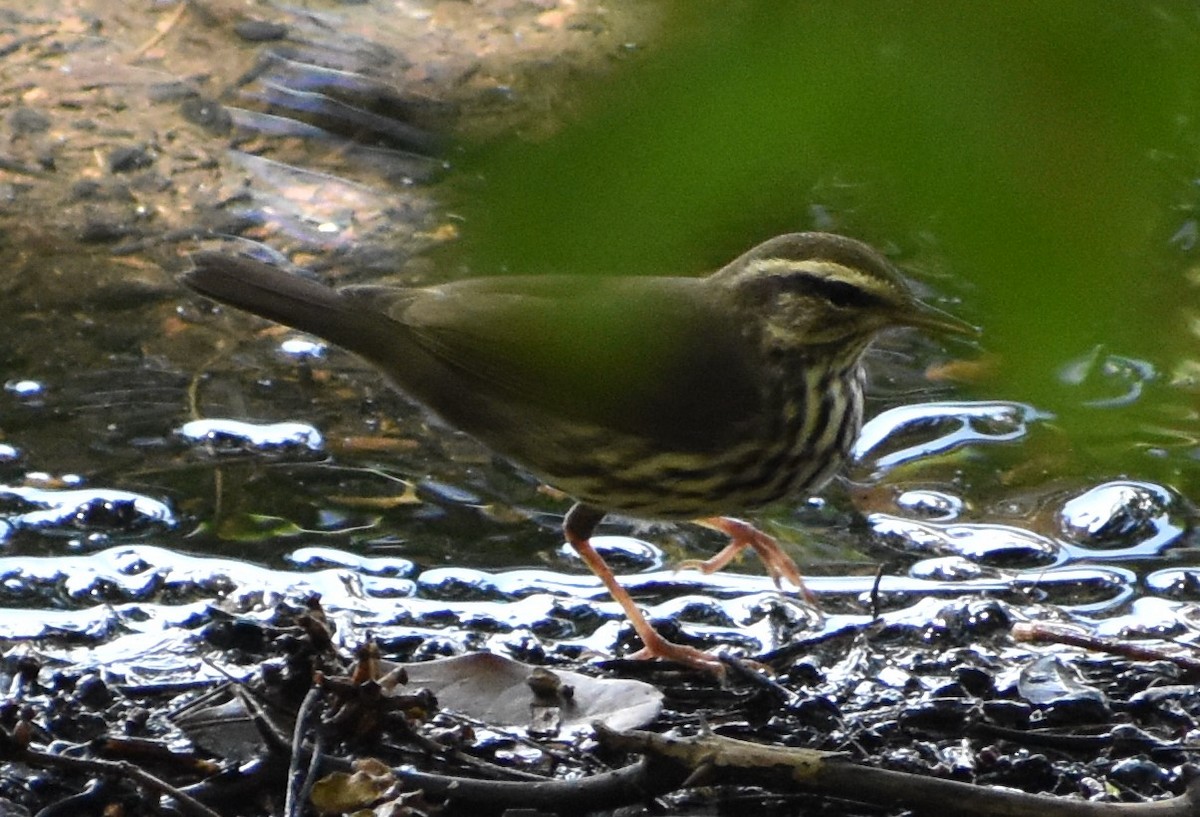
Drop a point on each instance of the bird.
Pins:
(661, 398)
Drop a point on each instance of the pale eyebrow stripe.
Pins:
(822, 269)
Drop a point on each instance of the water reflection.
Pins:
(979, 512)
(931, 429)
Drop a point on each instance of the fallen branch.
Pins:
(713, 759)
(1041, 632)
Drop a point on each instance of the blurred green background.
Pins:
(1034, 161)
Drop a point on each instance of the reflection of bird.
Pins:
(661, 398)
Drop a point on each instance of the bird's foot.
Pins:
(743, 535)
(658, 647)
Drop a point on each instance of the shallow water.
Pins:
(1055, 472)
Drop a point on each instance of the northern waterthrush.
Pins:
(658, 397)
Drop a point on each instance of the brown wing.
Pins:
(642, 356)
(653, 357)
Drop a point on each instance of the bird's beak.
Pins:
(924, 316)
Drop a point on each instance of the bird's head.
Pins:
(819, 289)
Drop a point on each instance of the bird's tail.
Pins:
(290, 299)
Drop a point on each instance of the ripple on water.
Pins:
(1123, 518)
(71, 512)
(907, 433)
(983, 543)
(1116, 520)
(935, 506)
(224, 436)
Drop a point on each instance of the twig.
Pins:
(715, 759)
(599, 792)
(158, 37)
(300, 782)
(117, 769)
(876, 607)
(1038, 631)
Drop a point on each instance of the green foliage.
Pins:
(1040, 151)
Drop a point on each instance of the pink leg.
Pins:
(743, 535)
(578, 526)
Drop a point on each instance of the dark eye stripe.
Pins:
(842, 294)
(839, 293)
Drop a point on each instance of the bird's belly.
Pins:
(681, 486)
(633, 476)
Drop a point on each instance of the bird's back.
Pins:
(510, 359)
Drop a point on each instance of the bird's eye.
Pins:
(841, 294)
